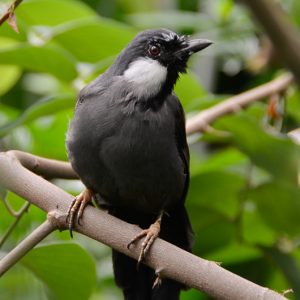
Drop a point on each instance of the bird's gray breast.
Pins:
(142, 157)
(127, 154)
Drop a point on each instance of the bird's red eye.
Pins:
(154, 50)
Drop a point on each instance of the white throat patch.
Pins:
(147, 75)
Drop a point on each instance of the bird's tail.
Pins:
(137, 283)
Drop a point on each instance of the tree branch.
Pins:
(282, 33)
(202, 120)
(47, 168)
(18, 215)
(26, 245)
(10, 15)
(191, 270)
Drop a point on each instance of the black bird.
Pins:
(127, 143)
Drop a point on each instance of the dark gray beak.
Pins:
(194, 46)
(197, 45)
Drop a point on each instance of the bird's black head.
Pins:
(153, 60)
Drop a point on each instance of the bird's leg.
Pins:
(151, 234)
(77, 207)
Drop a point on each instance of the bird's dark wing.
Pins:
(180, 233)
(180, 135)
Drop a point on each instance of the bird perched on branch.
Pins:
(128, 145)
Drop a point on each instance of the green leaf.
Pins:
(293, 105)
(288, 265)
(49, 58)
(3, 193)
(214, 237)
(234, 253)
(276, 154)
(225, 159)
(279, 206)
(51, 128)
(218, 190)
(188, 89)
(52, 12)
(67, 270)
(9, 76)
(254, 228)
(44, 107)
(98, 38)
(175, 20)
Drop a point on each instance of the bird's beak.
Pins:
(194, 46)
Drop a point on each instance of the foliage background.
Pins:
(244, 198)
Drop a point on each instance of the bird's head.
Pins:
(154, 59)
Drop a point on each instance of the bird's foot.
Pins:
(150, 235)
(77, 207)
(158, 280)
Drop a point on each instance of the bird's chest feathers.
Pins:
(146, 75)
(142, 134)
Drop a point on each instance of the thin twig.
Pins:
(191, 270)
(9, 11)
(26, 245)
(18, 215)
(201, 121)
(9, 208)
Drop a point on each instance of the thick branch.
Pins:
(48, 168)
(191, 270)
(25, 246)
(282, 33)
(201, 121)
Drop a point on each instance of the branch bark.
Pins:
(191, 270)
(202, 120)
(282, 33)
(25, 246)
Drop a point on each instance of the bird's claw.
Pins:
(151, 234)
(77, 207)
(158, 280)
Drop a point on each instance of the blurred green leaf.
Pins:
(293, 105)
(214, 237)
(254, 228)
(44, 107)
(98, 38)
(234, 253)
(276, 154)
(49, 58)
(52, 12)
(225, 9)
(218, 190)
(172, 19)
(289, 266)
(188, 89)
(225, 159)
(9, 76)
(67, 269)
(3, 193)
(51, 128)
(279, 206)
